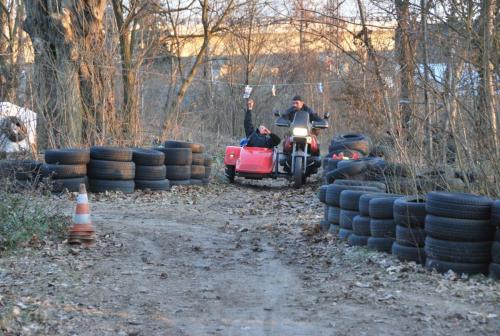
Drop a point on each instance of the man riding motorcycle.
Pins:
(299, 105)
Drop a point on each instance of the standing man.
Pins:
(261, 136)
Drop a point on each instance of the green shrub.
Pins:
(28, 217)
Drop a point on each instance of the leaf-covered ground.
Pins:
(245, 259)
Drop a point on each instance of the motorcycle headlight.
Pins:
(300, 131)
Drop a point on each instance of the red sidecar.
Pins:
(250, 162)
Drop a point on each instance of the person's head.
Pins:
(297, 102)
(264, 130)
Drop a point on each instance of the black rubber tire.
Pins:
(355, 240)
(495, 252)
(195, 182)
(458, 205)
(495, 213)
(102, 185)
(298, 173)
(178, 173)
(177, 156)
(442, 266)
(180, 182)
(230, 173)
(361, 225)
(333, 215)
(382, 228)
(357, 142)
(346, 218)
(111, 170)
(59, 171)
(148, 157)
(408, 253)
(153, 185)
(197, 172)
(333, 192)
(459, 252)
(463, 230)
(364, 202)
(349, 199)
(380, 244)
(412, 237)
(195, 147)
(346, 172)
(150, 173)
(352, 167)
(71, 184)
(206, 181)
(382, 207)
(198, 159)
(67, 156)
(325, 225)
(332, 164)
(410, 211)
(379, 185)
(111, 154)
(334, 229)
(494, 271)
(344, 233)
(322, 193)
(207, 161)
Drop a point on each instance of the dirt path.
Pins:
(230, 260)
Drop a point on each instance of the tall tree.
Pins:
(212, 17)
(11, 47)
(72, 92)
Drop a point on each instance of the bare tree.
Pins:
(212, 17)
(72, 90)
(11, 47)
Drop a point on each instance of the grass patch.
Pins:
(28, 218)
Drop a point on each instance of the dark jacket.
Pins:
(255, 139)
(290, 113)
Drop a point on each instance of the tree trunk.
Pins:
(130, 107)
(487, 86)
(406, 53)
(71, 85)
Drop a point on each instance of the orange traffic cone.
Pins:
(82, 232)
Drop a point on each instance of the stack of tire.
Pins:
(382, 226)
(350, 144)
(361, 223)
(349, 205)
(495, 248)
(325, 223)
(409, 217)
(178, 160)
(341, 221)
(150, 170)
(67, 168)
(198, 169)
(459, 232)
(111, 169)
(208, 169)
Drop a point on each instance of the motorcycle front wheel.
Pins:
(298, 172)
